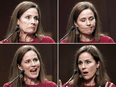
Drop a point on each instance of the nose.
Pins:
(83, 66)
(33, 63)
(32, 21)
(88, 22)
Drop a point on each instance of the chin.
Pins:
(31, 33)
(34, 77)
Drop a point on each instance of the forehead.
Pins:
(86, 13)
(29, 55)
(31, 11)
(85, 56)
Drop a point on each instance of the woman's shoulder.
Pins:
(4, 42)
(6, 84)
(106, 39)
(64, 41)
(46, 39)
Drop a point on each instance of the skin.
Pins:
(28, 23)
(30, 62)
(86, 63)
(86, 24)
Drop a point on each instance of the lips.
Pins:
(32, 27)
(85, 73)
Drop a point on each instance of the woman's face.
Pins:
(86, 22)
(31, 64)
(28, 22)
(87, 65)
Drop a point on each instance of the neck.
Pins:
(90, 82)
(26, 37)
(29, 81)
(86, 38)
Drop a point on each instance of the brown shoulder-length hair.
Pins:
(100, 79)
(17, 13)
(74, 37)
(14, 70)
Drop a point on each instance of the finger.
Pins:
(60, 83)
(111, 85)
(106, 84)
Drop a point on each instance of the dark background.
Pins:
(67, 55)
(106, 11)
(47, 52)
(48, 11)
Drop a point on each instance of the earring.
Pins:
(80, 76)
(97, 72)
(21, 76)
(77, 31)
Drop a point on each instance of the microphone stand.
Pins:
(75, 72)
(22, 71)
(17, 28)
(71, 29)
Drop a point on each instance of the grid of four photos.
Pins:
(57, 43)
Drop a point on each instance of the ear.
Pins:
(75, 24)
(98, 64)
(20, 67)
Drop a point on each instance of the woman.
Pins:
(27, 16)
(28, 58)
(90, 68)
(87, 24)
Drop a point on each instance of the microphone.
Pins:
(74, 72)
(71, 29)
(21, 72)
(16, 29)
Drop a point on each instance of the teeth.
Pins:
(33, 70)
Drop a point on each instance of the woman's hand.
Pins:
(109, 85)
(60, 83)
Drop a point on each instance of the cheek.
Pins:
(26, 66)
(92, 69)
(81, 25)
(93, 23)
(23, 22)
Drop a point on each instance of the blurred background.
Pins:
(48, 11)
(47, 52)
(67, 55)
(106, 11)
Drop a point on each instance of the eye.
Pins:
(91, 18)
(88, 62)
(35, 59)
(80, 63)
(36, 18)
(27, 17)
(27, 61)
(83, 20)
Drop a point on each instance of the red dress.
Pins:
(89, 86)
(47, 84)
(45, 39)
(103, 39)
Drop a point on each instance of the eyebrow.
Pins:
(85, 17)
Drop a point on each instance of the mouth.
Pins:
(33, 70)
(32, 27)
(85, 73)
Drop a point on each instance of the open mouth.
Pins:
(85, 73)
(33, 70)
